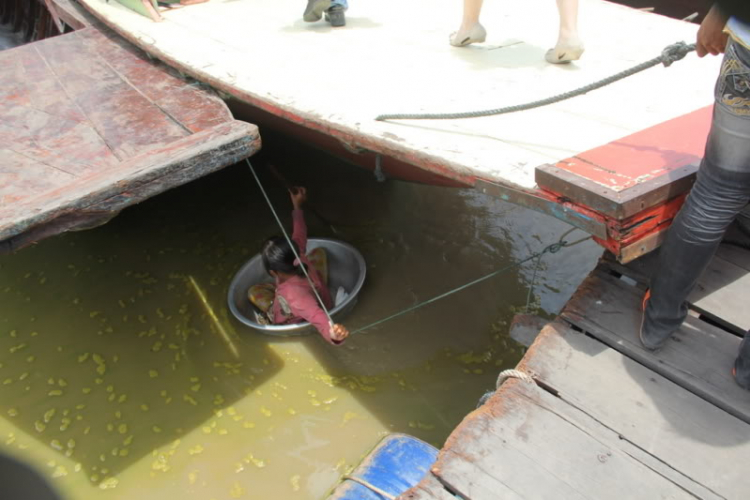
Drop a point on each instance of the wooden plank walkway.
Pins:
(604, 415)
(91, 125)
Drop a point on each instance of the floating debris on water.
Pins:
(109, 483)
(237, 491)
(195, 450)
(295, 482)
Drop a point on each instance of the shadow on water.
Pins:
(107, 350)
(109, 353)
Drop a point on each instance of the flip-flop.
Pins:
(564, 54)
(477, 35)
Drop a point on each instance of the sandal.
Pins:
(477, 35)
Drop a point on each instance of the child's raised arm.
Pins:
(299, 228)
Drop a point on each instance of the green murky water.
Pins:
(117, 383)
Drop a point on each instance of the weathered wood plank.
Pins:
(736, 255)
(428, 489)
(91, 125)
(110, 191)
(522, 444)
(721, 294)
(698, 357)
(194, 107)
(718, 292)
(688, 439)
(120, 114)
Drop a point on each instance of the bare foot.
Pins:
(464, 37)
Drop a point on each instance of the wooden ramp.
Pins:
(605, 418)
(91, 125)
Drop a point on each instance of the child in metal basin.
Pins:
(291, 299)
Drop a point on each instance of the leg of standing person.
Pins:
(315, 9)
(569, 46)
(721, 191)
(470, 30)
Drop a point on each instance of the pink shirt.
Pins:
(297, 292)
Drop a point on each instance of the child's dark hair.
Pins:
(278, 256)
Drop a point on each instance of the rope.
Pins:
(291, 245)
(553, 248)
(377, 490)
(504, 375)
(669, 55)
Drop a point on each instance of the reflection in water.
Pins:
(117, 354)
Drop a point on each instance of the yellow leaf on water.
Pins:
(109, 483)
(56, 392)
(154, 374)
(49, 414)
(122, 428)
(237, 491)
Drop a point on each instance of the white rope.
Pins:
(291, 245)
(506, 374)
(377, 490)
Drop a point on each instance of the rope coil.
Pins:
(670, 54)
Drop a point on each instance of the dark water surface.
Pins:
(117, 381)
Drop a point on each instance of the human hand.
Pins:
(711, 38)
(339, 333)
(298, 195)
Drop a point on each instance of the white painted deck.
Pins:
(394, 56)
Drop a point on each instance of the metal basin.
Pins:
(346, 268)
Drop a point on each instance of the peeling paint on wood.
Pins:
(91, 125)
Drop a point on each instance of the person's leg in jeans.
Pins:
(315, 9)
(721, 191)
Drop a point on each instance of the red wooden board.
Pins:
(645, 155)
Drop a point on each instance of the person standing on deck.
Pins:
(568, 48)
(721, 190)
(333, 10)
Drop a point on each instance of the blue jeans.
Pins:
(721, 191)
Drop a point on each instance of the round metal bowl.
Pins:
(346, 268)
